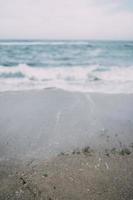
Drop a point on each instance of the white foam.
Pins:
(83, 79)
(9, 43)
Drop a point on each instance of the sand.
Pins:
(63, 145)
(90, 176)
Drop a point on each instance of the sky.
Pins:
(66, 19)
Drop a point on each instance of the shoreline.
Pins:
(64, 90)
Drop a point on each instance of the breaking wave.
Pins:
(84, 79)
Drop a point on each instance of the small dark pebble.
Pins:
(107, 154)
(86, 150)
(46, 175)
(62, 153)
(23, 181)
(76, 151)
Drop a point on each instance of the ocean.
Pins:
(83, 66)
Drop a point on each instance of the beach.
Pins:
(56, 144)
(66, 100)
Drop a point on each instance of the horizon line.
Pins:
(62, 39)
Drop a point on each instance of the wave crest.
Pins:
(84, 79)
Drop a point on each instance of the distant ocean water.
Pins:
(85, 66)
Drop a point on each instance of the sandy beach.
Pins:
(82, 175)
(66, 100)
(64, 145)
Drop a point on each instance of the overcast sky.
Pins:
(66, 19)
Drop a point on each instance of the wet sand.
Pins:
(61, 145)
(44, 123)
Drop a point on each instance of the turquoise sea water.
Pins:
(86, 66)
